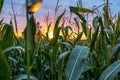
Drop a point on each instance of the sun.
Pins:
(50, 35)
(19, 35)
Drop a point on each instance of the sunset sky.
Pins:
(48, 5)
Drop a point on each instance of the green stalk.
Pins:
(28, 51)
(107, 13)
(107, 3)
(29, 36)
(28, 42)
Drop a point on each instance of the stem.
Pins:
(107, 3)
(27, 10)
(56, 9)
(28, 42)
(107, 13)
(14, 15)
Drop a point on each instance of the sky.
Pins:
(47, 6)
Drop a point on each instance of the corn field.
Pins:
(66, 56)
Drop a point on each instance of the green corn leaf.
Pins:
(8, 36)
(95, 22)
(19, 48)
(77, 23)
(115, 50)
(87, 67)
(48, 28)
(56, 30)
(63, 55)
(89, 34)
(68, 45)
(83, 23)
(60, 68)
(4, 68)
(81, 9)
(56, 36)
(65, 32)
(76, 63)
(53, 56)
(77, 13)
(78, 38)
(118, 41)
(1, 5)
(60, 64)
(105, 52)
(94, 38)
(25, 77)
(111, 72)
(117, 31)
(109, 33)
(57, 22)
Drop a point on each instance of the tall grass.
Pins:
(63, 58)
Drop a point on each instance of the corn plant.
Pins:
(62, 58)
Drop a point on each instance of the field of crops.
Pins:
(65, 56)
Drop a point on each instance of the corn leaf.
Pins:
(111, 72)
(19, 48)
(83, 23)
(81, 9)
(77, 13)
(95, 22)
(60, 64)
(8, 36)
(94, 38)
(57, 22)
(78, 38)
(24, 77)
(48, 28)
(117, 30)
(53, 56)
(115, 50)
(56, 30)
(105, 52)
(76, 63)
(109, 33)
(4, 68)
(77, 24)
(63, 55)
